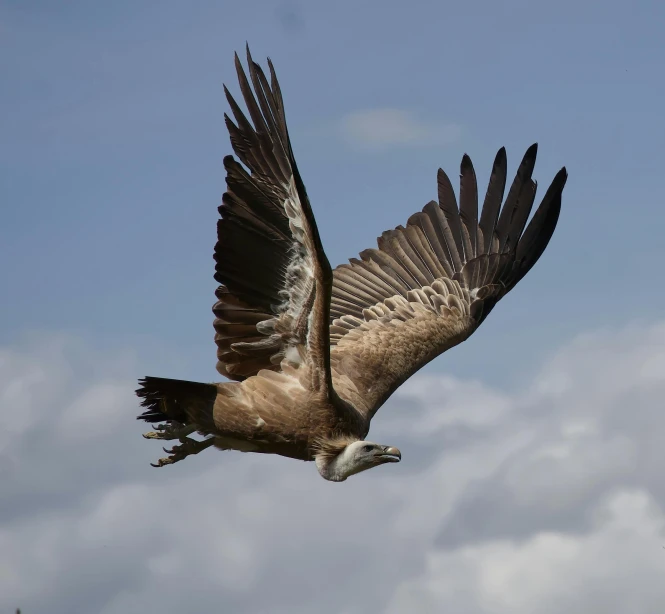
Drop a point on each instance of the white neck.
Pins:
(340, 467)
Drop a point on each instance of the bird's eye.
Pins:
(367, 448)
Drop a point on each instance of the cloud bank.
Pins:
(537, 501)
(379, 129)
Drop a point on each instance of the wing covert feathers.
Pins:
(429, 285)
(269, 259)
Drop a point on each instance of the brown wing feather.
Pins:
(468, 199)
(274, 297)
(493, 198)
(430, 285)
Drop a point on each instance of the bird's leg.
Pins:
(187, 447)
(174, 430)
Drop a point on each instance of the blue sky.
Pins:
(113, 137)
(531, 480)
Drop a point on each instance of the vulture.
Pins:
(313, 352)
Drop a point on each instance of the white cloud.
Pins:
(539, 501)
(384, 128)
(29, 380)
(616, 567)
(95, 411)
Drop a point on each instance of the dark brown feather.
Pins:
(448, 203)
(522, 177)
(445, 233)
(469, 206)
(436, 242)
(493, 199)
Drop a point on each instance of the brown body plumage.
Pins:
(315, 352)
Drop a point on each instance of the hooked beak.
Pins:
(390, 455)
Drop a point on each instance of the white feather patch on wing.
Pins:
(292, 355)
(300, 271)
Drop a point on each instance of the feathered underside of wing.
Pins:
(430, 284)
(268, 255)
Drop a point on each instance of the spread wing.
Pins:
(273, 301)
(430, 285)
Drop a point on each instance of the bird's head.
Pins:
(337, 460)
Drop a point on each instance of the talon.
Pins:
(163, 461)
(174, 430)
(188, 446)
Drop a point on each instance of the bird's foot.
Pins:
(187, 447)
(174, 430)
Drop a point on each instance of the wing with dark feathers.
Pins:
(273, 301)
(429, 285)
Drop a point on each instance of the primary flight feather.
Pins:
(315, 352)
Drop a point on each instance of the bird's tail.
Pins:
(178, 400)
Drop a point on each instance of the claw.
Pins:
(163, 461)
(178, 452)
(153, 435)
(175, 430)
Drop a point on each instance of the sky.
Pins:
(531, 453)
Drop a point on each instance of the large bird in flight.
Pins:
(315, 352)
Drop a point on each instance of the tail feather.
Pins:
(181, 401)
